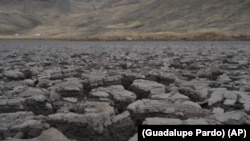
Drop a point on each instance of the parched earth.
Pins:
(84, 91)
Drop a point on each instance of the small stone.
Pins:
(232, 118)
(230, 95)
(216, 97)
(29, 82)
(218, 110)
(70, 99)
(204, 93)
(116, 93)
(91, 119)
(229, 102)
(69, 88)
(14, 74)
(144, 88)
(48, 106)
(199, 121)
(141, 109)
(162, 121)
(97, 93)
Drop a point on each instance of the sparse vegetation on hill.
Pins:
(117, 19)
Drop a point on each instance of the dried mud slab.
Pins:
(61, 90)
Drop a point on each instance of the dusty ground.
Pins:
(62, 90)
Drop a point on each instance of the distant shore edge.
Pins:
(213, 36)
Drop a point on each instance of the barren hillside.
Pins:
(71, 18)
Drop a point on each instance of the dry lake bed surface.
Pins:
(84, 91)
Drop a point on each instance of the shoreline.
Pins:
(201, 36)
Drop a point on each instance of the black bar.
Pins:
(193, 132)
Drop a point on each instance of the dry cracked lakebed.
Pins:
(84, 91)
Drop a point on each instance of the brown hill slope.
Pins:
(81, 18)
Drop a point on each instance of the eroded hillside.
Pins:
(70, 18)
